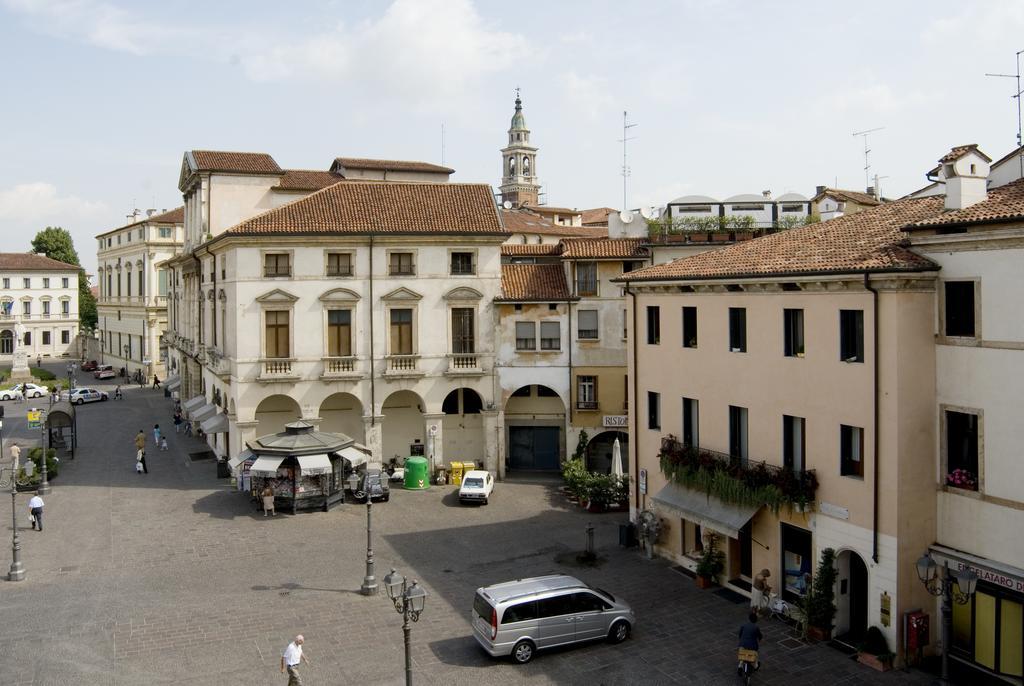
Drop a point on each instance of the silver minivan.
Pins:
(519, 617)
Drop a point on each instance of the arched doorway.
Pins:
(463, 426)
(534, 420)
(6, 342)
(402, 425)
(851, 597)
(343, 413)
(599, 451)
(274, 412)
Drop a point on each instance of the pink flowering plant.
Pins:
(962, 478)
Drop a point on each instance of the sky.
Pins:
(100, 98)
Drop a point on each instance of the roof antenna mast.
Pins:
(626, 126)
(867, 151)
(1016, 96)
(442, 144)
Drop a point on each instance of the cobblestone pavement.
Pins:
(172, 577)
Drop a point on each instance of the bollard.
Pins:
(590, 540)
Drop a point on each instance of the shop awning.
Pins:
(236, 462)
(203, 412)
(173, 383)
(354, 456)
(314, 464)
(217, 424)
(266, 466)
(193, 403)
(708, 511)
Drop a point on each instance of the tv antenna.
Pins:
(1016, 96)
(867, 151)
(442, 144)
(626, 126)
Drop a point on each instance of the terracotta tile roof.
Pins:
(369, 207)
(307, 180)
(525, 221)
(26, 261)
(550, 209)
(519, 249)
(597, 215)
(851, 196)
(604, 248)
(1004, 204)
(871, 240)
(533, 282)
(389, 165)
(175, 216)
(961, 150)
(238, 162)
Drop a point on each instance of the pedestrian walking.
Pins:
(268, 500)
(117, 392)
(156, 381)
(177, 421)
(188, 428)
(156, 434)
(35, 509)
(290, 659)
(140, 462)
(15, 454)
(140, 440)
(39, 360)
(163, 443)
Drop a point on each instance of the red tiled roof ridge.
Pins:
(1004, 203)
(28, 261)
(175, 216)
(533, 282)
(395, 165)
(234, 161)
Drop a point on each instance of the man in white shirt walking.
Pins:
(35, 506)
(290, 659)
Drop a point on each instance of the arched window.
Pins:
(6, 342)
(511, 166)
(526, 166)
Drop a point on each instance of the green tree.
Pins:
(57, 244)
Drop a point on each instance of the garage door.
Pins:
(534, 447)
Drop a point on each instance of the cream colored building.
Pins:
(38, 307)
(131, 306)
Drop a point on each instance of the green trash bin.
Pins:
(417, 477)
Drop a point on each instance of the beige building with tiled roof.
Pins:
(38, 307)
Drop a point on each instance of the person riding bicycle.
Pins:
(750, 638)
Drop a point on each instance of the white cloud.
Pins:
(39, 202)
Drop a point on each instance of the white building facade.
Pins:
(38, 307)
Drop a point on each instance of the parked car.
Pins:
(373, 484)
(104, 371)
(519, 617)
(89, 366)
(30, 390)
(79, 396)
(476, 487)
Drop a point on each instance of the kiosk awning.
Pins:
(266, 466)
(193, 403)
(354, 456)
(235, 462)
(314, 464)
(217, 424)
(204, 412)
(708, 511)
(173, 383)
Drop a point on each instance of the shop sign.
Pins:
(833, 510)
(615, 420)
(35, 419)
(886, 609)
(1005, 580)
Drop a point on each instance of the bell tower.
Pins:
(519, 163)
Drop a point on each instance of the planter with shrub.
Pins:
(874, 651)
(819, 603)
(711, 563)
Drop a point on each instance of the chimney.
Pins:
(965, 169)
(818, 190)
(150, 212)
(767, 195)
(871, 191)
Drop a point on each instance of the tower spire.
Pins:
(518, 177)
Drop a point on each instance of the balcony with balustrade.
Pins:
(464, 364)
(277, 369)
(341, 368)
(402, 366)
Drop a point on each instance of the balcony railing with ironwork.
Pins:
(733, 479)
(587, 405)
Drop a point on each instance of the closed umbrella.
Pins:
(616, 459)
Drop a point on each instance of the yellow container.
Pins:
(455, 472)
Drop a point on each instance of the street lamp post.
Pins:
(71, 372)
(954, 587)
(369, 586)
(17, 571)
(44, 484)
(409, 602)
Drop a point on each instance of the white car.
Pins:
(476, 487)
(29, 389)
(83, 395)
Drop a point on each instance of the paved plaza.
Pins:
(173, 577)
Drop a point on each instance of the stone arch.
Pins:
(599, 451)
(852, 606)
(462, 427)
(274, 412)
(403, 424)
(535, 429)
(6, 342)
(343, 413)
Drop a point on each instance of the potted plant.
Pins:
(874, 651)
(744, 226)
(819, 603)
(711, 563)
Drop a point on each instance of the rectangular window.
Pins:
(586, 278)
(851, 335)
(526, 336)
(46, 308)
(65, 336)
(851, 451)
(653, 325)
(139, 283)
(631, 265)
(46, 282)
(550, 336)
(587, 324)
(962, 450)
(27, 283)
(339, 333)
(401, 332)
(339, 264)
(463, 330)
(793, 326)
(793, 442)
(653, 410)
(959, 308)
(65, 307)
(277, 333)
(26, 308)
(165, 231)
(46, 338)
(277, 264)
(738, 433)
(63, 282)
(161, 281)
(462, 263)
(400, 264)
(738, 329)
(7, 283)
(691, 422)
(689, 327)
(625, 325)
(586, 393)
